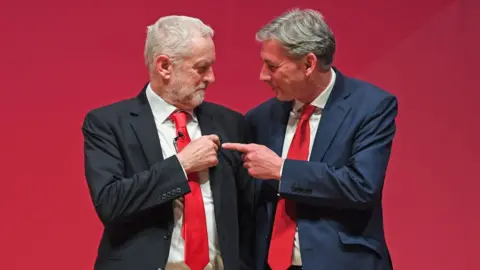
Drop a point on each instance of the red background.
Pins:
(61, 58)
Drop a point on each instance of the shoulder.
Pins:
(368, 96)
(221, 112)
(109, 113)
(366, 88)
(263, 108)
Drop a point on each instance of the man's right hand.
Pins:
(200, 154)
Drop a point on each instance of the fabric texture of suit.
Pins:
(338, 193)
(133, 187)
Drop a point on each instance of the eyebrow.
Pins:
(269, 62)
(204, 62)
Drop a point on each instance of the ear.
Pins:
(310, 63)
(163, 66)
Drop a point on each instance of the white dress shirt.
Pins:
(314, 122)
(167, 132)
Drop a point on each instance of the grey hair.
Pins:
(302, 32)
(171, 36)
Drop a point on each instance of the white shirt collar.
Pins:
(160, 108)
(322, 99)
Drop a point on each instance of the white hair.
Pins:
(302, 32)
(171, 36)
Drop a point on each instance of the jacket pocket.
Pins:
(353, 243)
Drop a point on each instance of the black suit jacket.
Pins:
(133, 187)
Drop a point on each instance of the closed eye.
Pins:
(272, 67)
(202, 69)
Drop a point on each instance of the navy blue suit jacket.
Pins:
(338, 192)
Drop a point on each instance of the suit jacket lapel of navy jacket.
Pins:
(143, 125)
(333, 116)
(279, 115)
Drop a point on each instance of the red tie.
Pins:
(194, 229)
(284, 226)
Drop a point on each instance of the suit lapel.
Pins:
(209, 126)
(333, 116)
(279, 118)
(143, 124)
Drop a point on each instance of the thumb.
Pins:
(214, 138)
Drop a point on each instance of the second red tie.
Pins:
(284, 226)
(194, 229)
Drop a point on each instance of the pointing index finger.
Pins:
(241, 147)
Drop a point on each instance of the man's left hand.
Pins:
(259, 160)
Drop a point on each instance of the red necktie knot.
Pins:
(179, 118)
(307, 111)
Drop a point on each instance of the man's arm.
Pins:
(114, 196)
(355, 185)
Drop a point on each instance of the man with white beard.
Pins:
(168, 196)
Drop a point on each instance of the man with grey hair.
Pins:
(321, 154)
(168, 196)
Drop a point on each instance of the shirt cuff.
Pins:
(281, 171)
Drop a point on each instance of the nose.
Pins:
(264, 74)
(210, 77)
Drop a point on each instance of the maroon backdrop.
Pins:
(62, 58)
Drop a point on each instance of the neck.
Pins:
(159, 89)
(316, 85)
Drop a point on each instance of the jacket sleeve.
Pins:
(357, 184)
(115, 196)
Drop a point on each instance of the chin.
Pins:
(197, 100)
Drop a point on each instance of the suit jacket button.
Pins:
(166, 237)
